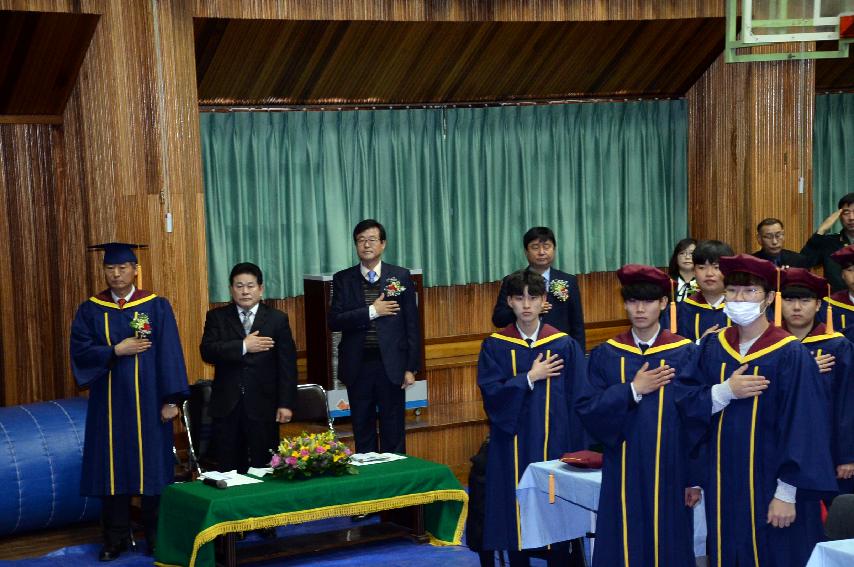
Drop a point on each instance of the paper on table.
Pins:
(260, 471)
(362, 459)
(231, 478)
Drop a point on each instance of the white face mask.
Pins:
(743, 313)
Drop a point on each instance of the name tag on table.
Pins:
(362, 459)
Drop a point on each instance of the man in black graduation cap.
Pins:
(126, 351)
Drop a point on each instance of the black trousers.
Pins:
(115, 518)
(241, 442)
(556, 556)
(371, 391)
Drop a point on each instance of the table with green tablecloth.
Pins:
(192, 514)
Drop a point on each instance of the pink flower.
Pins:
(320, 450)
(276, 461)
(347, 452)
(304, 452)
(291, 461)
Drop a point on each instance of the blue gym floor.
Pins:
(396, 553)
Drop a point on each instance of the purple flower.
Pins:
(320, 450)
(304, 452)
(291, 461)
(347, 452)
(276, 461)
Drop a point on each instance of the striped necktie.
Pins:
(247, 321)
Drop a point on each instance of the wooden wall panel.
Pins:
(32, 315)
(459, 10)
(749, 142)
(291, 62)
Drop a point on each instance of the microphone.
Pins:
(215, 483)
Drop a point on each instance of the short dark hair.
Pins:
(673, 266)
(743, 278)
(366, 225)
(518, 281)
(798, 292)
(770, 221)
(711, 251)
(643, 291)
(846, 200)
(246, 268)
(543, 233)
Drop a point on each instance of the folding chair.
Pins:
(840, 518)
(198, 424)
(311, 406)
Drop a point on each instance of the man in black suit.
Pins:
(771, 236)
(562, 309)
(373, 305)
(255, 377)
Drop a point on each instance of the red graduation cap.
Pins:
(804, 279)
(639, 273)
(762, 269)
(844, 257)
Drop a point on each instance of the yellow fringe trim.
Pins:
(337, 510)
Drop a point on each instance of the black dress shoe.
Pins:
(111, 552)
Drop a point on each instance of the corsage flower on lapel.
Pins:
(393, 287)
(141, 325)
(560, 289)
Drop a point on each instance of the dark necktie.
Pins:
(247, 321)
(530, 342)
(643, 347)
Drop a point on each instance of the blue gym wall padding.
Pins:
(41, 449)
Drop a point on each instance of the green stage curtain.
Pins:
(833, 153)
(455, 188)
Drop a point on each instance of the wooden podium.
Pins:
(322, 343)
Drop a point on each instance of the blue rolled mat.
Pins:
(41, 451)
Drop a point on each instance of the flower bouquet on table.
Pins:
(312, 454)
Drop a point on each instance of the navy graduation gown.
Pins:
(525, 425)
(694, 315)
(781, 434)
(642, 512)
(841, 308)
(839, 388)
(127, 449)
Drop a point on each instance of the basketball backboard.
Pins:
(756, 23)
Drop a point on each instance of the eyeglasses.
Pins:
(775, 236)
(363, 241)
(748, 293)
(686, 254)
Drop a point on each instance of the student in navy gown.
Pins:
(842, 301)
(802, 293)
(125, 349)
(702, 313)
(528, 373)
(762, 409)
(628, 404)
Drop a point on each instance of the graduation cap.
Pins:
(118, 252)
(798, 282)
(639, 273)
(844, 257)
(762, 269)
